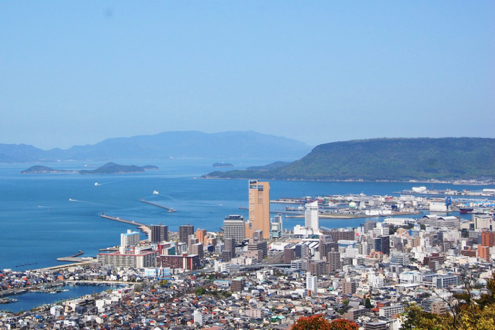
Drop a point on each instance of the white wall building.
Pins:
(311, 216)
(131, 238)
(311, 283)
(198, 317)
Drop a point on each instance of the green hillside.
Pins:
(387, 159)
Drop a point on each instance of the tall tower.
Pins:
(311, 216)
(259, 208)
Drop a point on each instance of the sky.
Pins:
(79, 72)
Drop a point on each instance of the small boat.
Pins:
(155, 192)
(97, 184)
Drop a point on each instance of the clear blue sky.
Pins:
(78, 72)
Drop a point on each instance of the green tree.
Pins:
(200, 291)
(465, 313)
(367, 303)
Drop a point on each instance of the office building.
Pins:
(488, 238)
(234, 226)
(197, 248)
(289, 255)
(259, 209)
(184, 232)
(186, 262)
(201, 236)
(230, 245)
(311, 284)
(317, 267)
(333, 259)
(369, 226)
(311, 217)
(349, 287)
(262, 246)
(237, 284)
(279, 218)
(159, 233)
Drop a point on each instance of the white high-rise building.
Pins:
(198, 317)
(311, 216)
(311, 283)
(131, 238)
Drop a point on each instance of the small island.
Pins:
(37, 169)
(108, 168)
(112, 168)
(222, 164)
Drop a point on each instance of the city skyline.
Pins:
(78, 73)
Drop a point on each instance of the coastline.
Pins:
(355, 216)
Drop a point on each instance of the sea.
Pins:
(47, 216)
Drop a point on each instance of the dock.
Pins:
(169, 209)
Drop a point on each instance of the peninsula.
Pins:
(400, 159)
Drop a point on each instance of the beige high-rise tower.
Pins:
(259, 208)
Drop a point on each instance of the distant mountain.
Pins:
(21, 153)
(387, 159)
(192, 144)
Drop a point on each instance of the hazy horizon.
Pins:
(77, 73)
(309, 145)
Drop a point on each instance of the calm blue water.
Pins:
(39, 223)
(28, 301)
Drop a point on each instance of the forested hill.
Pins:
(387, 159)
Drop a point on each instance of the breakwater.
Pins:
(72, 258)
(143, 227)
(169, 209)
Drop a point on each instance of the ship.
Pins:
(465, 210)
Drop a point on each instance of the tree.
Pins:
(199, 291)
(343, 324)
(367, 303)
(317, 322)
(465, 313)
(314, 322)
